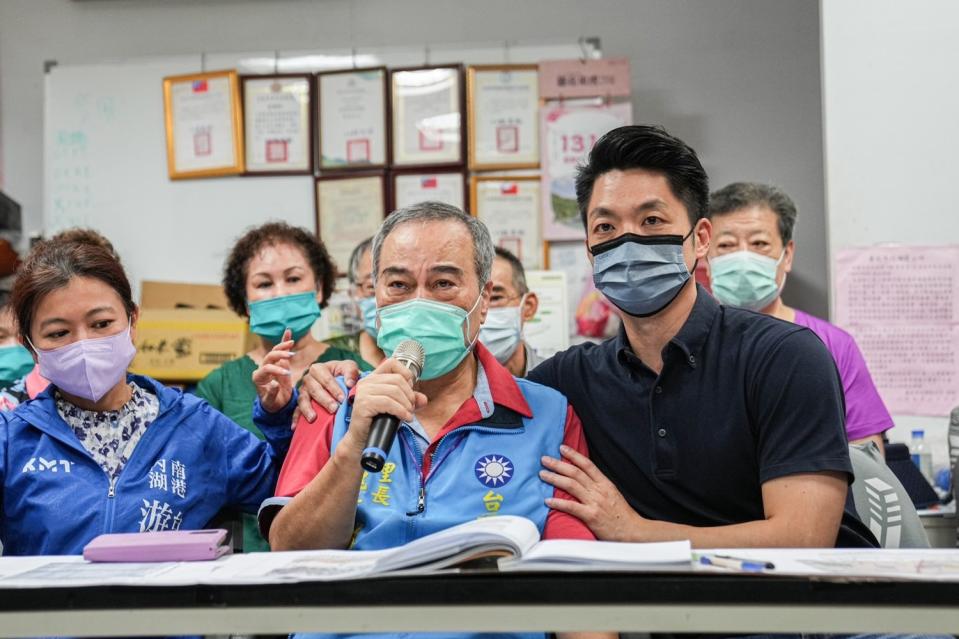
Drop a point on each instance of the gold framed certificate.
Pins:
(353, 122)
(427, 123)
(278, 127)
(503, 107)
(509, 206)
(413, 187)
(204, 126)
(349, 209)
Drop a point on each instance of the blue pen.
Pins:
(734, 563)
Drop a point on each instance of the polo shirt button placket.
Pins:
(659, 389)
(692, 361)
(661, 432)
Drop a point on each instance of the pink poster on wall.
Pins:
(901, 304)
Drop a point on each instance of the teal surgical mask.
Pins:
(435, 325)
(15, 362)
(502, 331)
(269, 318)
(745, 279)
(368, 311)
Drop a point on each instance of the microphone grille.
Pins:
(410, 350)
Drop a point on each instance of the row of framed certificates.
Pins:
(219, 123)
(351, 206)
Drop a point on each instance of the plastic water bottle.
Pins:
(921, 456)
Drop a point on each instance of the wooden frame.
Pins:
(475, 182)
(318, 209)
(199, 83)
(397, 107)
(425, 172)
(472, 107)
(310, 122)
(387, 122)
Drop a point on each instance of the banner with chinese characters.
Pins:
(568, 132)
(901, 304)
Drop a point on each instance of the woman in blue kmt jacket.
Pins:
(101, 451)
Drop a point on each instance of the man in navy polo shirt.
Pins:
(704, 422)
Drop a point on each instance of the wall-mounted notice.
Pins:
(901, 303)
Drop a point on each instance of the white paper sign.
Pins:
(548, 331)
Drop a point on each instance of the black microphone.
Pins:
(410, 354)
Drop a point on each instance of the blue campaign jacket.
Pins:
(191, 462)
(487, 467)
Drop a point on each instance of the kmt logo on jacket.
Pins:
(39, 465)
(494, 470)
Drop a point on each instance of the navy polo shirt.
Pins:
(742, 398)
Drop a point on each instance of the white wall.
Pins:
(891, 104)
(737, 79)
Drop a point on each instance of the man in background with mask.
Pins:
(471, 435)
(512, 304)
(749, 259)
(359, 273)
(751, 254)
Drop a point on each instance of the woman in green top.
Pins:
(279, 276)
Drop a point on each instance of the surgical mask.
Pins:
(15, 362)
(271, 317)
(745, 279)
(435, 325)
(368, 311)
(88, 368)
(502, 331)
(640, 274)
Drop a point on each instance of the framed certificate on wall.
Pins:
(349, 209)
(278, 124)
(204, 127)
(412, 187)
(427, 123)
(503, 106)
(510, 208)
(353, 122)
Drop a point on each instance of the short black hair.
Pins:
(271, 234)
(651, 148)
(740, 195)
(519, 273)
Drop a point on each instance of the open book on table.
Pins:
(513, 540)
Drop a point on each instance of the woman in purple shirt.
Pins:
(751, 254)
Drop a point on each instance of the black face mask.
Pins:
(641, 274)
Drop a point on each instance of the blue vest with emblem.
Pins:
(487, 468)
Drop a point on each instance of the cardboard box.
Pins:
(186, 344)
(185, 331)
(170, 295)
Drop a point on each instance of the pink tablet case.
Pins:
(167, 545)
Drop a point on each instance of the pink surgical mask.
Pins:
(88, 368)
